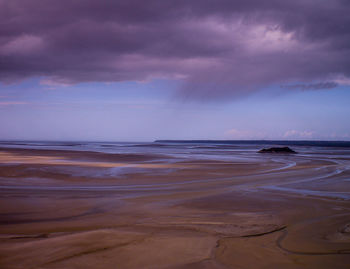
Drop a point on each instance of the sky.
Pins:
(135, 70)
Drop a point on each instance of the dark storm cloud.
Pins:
(218, 48)
(313, 86)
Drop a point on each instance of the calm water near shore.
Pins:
(211, 149)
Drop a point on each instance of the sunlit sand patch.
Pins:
(10, 158)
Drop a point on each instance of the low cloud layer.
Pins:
(313, 86)
(218, 48)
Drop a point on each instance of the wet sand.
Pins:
(74, 209)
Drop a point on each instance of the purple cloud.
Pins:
(313, 86)
(217, 48)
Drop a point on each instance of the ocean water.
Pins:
(192, 149)
(173, 144)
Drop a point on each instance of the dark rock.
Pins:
(346, 229)
(277, 150)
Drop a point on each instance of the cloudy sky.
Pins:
(174, 69)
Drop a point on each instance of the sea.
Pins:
(191, 149)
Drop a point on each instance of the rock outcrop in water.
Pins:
(277, 150)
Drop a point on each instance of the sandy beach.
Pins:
(147, 209)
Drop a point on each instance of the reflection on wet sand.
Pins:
(64, 209)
